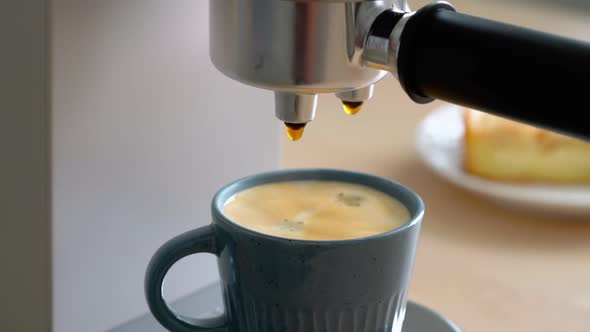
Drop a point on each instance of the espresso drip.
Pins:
(352, 107)
(295, 130)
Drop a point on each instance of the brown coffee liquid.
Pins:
(352, 107)
(295, 130)
(316, 210)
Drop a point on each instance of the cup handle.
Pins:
(201, 240)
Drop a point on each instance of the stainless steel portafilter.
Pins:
(302, 48)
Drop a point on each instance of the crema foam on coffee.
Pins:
(316, 210)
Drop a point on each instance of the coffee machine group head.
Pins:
(300, 49)
(303, 48)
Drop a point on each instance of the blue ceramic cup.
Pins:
(273, 284)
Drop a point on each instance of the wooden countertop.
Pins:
(487, 268)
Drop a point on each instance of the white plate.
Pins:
(439, 140)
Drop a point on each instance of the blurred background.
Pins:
(115, 136)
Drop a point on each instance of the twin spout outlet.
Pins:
(296, 110)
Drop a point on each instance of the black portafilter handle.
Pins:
(522, 74)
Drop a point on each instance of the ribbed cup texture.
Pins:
(387, 315)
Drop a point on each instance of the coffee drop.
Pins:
(352, 107)
(295, 130)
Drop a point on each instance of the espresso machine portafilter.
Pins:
(303, 48)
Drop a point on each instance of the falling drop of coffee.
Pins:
(352, 107)
(295, 130)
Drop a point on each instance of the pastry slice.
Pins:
(509, 151)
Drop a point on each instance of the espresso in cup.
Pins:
(313, 250)
(316, 210)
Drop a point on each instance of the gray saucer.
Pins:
(207, 303)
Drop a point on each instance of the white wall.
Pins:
(144, 131)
